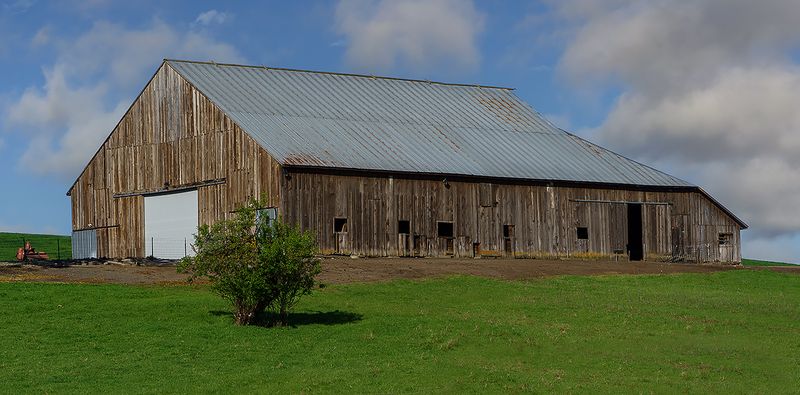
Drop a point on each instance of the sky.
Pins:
(706, 90)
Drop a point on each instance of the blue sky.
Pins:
(705, 90)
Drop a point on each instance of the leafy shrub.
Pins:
(255, 263)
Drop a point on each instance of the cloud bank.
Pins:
(709, 87)
(89, 87)
(414, 34)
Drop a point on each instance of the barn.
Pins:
(378, 166)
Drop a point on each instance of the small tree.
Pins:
(254, 263)
(291, 266)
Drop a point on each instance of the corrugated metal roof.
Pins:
(305, 118)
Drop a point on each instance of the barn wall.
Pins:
(171, 138)
(676, 226)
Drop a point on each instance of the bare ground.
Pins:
(346, 270)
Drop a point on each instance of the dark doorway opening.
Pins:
(635, 245)
(445, 231)
(340, 235)
(508, 240)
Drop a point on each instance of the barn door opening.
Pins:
(170, 222)
(726, 247)
(444, 230)
(404, 239)
(635, 244)
(340, 235)
(508, 240)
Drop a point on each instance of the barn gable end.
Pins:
(172, 138)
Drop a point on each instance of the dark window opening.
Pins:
(635, 240)
(725, 238)
(583, 233)
(340, 225)
(444, 229)
(404, 226)
(508, 231)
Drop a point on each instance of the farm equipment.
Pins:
(28, 253)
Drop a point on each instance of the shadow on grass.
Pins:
(296, 319)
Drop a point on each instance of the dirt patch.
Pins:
(378, 269)
(346, 270)
(99, 273)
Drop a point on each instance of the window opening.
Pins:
(340, 225)
(444, 229)
(404, 226)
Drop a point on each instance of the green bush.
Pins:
(256, 263)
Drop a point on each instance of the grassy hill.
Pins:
(728, 332)
(10, 242)
(756, 262)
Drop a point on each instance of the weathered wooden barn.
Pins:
(378, 167)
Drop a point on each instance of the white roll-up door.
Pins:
(170, 222)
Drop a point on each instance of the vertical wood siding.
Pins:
(681, 226)
(171, 138)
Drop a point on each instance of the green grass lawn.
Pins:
(756, 262)
(728, 332)
(51, 244)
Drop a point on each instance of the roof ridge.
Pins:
(264, 67)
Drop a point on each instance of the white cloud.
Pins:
(419, 34)
(212, 17)
(740, 114)
(662, 45)
(91, 84)
(18, 6)
(122, 54)
(708, 87)
(42, 37)
(65, 124)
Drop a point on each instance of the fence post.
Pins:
(184, 247)
(58, 247)
(152, 247)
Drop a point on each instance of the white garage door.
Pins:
(170, 222)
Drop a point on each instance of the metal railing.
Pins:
(168, 248)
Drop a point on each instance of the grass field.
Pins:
(756, 262)
(51, 244)
(729, 332)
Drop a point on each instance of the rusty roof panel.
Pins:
(317, 119)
